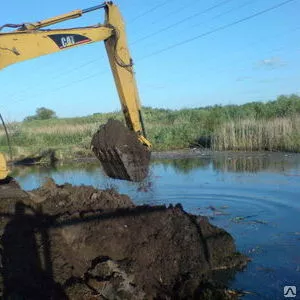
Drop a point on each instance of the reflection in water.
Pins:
(185, 165)
(225, 162)
(255, 163)
(236, 162)
(23, 171)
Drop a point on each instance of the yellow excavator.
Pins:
(28, 40)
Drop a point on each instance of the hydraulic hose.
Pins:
(7, 137)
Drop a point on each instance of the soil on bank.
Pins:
(77, 242)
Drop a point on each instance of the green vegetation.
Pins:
(255, 126)
(42, 113)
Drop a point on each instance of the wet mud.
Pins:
(120, 152)
(77, 242)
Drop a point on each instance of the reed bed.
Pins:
(279, 134)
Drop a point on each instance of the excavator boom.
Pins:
(29, 40)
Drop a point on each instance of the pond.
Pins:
(255, 197)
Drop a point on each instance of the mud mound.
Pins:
(68, 199)
(9, 188)
(120, 152)
(66, 242)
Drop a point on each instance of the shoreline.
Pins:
(170, 154)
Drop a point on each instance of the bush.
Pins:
(42, 113)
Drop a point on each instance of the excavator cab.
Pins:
(3, 167)
(123, 151)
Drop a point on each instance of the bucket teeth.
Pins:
(120, 164)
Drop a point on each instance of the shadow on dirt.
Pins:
(25, 273)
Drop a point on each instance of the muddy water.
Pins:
(255, 197)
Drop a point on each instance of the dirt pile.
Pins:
(120, 152)
(65, 242)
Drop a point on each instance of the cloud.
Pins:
(270, 80)
(243, 78)
(271, 63)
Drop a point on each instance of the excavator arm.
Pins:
(30, 40)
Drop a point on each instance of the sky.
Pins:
(187, 54)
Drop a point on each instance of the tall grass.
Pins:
(279, 134)
(67, 138)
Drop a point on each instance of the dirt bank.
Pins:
(67, 242)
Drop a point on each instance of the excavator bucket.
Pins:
(120, 152)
